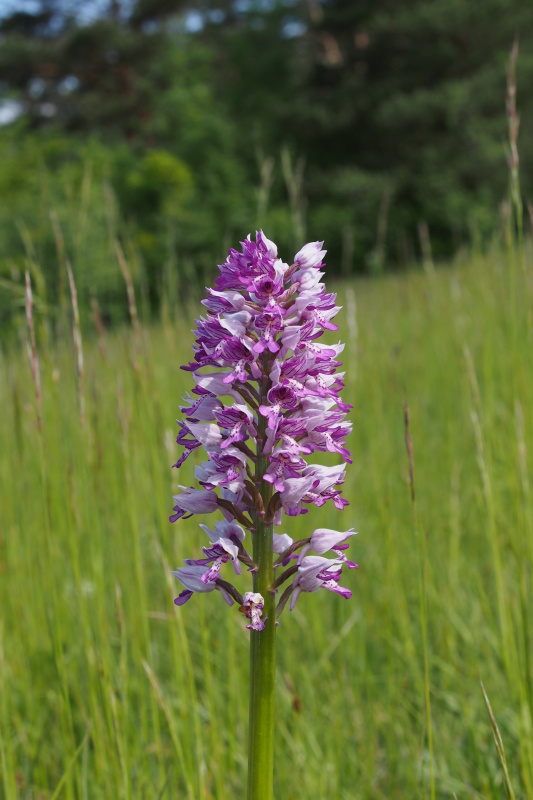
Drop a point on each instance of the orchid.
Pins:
(266, 398)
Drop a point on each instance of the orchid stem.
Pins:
(262, 652)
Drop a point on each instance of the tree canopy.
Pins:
(351, 122)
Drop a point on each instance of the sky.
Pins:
(86, 10)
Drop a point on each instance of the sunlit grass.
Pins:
(109, 691)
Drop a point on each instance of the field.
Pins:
(107, 690)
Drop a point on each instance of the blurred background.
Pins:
(177, 127)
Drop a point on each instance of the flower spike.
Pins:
(266, 397)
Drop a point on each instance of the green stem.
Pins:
(262, 649)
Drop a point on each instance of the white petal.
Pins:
(282, 541)
(208, 435)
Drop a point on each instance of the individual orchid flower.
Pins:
(191, 578)
(324, 539)
(252, 607)
(314, 573)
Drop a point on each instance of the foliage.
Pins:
(363, 124)
(411, 96)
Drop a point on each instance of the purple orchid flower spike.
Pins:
(266, 398)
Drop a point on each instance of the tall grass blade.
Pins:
(499, 746)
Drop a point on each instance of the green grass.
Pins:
(107, 690)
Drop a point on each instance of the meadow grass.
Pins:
(107, 690)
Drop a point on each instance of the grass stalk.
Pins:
(423, 582)
(78, 344)
(499, 747)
